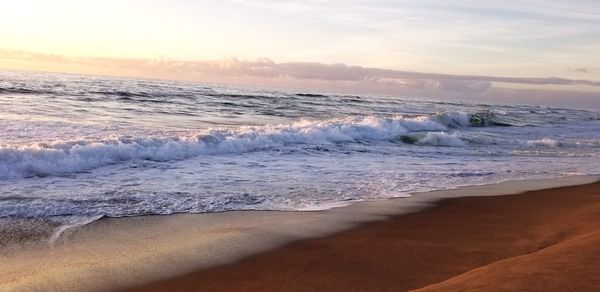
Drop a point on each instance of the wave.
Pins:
(122, 93)
(22, 90)
(485, 118)
(552, 143)
(491, 118)
(546, 142)
(65, 157)
(310, 95)
(434, 139)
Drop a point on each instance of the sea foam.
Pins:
(64, 157)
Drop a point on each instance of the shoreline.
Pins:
(116, 253)
(542, 240)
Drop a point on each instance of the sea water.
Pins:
(75, 148)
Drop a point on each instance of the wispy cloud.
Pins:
(267, 68)
(586, 70)
(528, 37)
(492, 36)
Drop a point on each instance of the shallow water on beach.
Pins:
(75, 148)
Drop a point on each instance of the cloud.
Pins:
(305, 75)
(586, 70)
(342, 72)
(263, 68)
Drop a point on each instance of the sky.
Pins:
(353, 45)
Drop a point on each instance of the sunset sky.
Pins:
(266, 41)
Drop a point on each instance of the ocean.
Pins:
(77, 148)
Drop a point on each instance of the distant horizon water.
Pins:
(579, 99)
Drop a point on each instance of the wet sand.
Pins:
(545, 240)
(294, 250)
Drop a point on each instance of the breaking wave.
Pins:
(434, 139)
(64, 157)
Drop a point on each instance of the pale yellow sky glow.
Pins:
(92, 28)
(184, 30)
(526, 38)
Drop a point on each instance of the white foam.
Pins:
(546, 142)
(63, 157)
(441, 139)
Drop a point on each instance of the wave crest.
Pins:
(64, 157)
